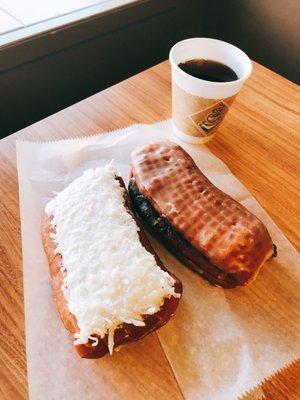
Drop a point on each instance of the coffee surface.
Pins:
(208, 70)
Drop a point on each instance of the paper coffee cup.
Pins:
(199, 106)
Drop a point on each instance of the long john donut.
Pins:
(205, 228)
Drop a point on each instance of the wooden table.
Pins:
(258, 141)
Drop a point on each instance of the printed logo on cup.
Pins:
(208, 119)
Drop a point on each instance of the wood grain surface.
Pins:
(258, 140)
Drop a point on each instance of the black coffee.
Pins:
(208, 70)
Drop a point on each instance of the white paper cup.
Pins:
(199, 106)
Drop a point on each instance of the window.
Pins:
(20, 19)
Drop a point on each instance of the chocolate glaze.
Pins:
(230, 237)
(176, 243)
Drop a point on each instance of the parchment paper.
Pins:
(220, 343)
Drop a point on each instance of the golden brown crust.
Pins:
(126, 332)
(55, 262)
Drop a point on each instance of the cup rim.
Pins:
(185, 74)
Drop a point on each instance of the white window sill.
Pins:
(19, 26)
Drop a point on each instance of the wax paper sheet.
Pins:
(220, 343)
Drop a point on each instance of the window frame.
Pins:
(74, 28)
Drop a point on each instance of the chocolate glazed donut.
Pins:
(208, 230)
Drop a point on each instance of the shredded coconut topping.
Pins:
(109, 277)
